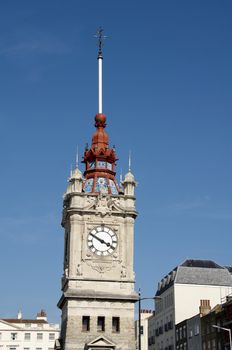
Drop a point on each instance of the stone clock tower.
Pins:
(98, 296)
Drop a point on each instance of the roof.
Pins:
(209, 264)
(229, 268)
(16, 320)
(203, 276)
(197, 272)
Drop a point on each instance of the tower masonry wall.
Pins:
(96, 286)
(76, 337)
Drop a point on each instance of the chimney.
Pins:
(205, 307)
(41, 315)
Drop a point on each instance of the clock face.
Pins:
(102, 241)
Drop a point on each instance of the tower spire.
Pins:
(129, 162)
(100, 159)
(77, 158)
(100, 37)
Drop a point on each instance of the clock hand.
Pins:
(99, 239)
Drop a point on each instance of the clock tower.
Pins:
(98, 296)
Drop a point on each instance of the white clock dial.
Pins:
(102, 241)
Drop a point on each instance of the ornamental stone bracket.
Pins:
(104, 204)
(101, 267)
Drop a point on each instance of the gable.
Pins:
(101, 343)
(7, 326)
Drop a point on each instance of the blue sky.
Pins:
(167, 97)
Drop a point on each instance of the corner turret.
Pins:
(75, 181)
(129, 182)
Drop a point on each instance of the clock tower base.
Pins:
(108, 324)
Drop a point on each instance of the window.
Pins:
(180, 333)
(38, 348)
(13, 336)
(91, 165)
(39, 336)
(141, 330)
(12, 348)
(115, 324)
(101, 164)
(85, 323)
(184, 331)
(26, 348)
(197, 330)
(27, 336)
(51, 336)
(101, 324)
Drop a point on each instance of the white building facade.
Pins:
(179, 294)
(151, 332)
(28, 334)
(144, 317)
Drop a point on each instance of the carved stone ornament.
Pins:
(101, 267)
(123, 272)
(104, 204)
(90, 203)
(79, 270)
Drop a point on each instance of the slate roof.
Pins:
(204, 276)
(209, 264)
(198, 272)
(229, 268)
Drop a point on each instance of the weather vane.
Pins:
(99, 35)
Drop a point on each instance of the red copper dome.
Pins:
(100, 161)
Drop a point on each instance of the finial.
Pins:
(71, 170)
(129, 161)
(77, 158)
(99, 35)
(120, 178)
